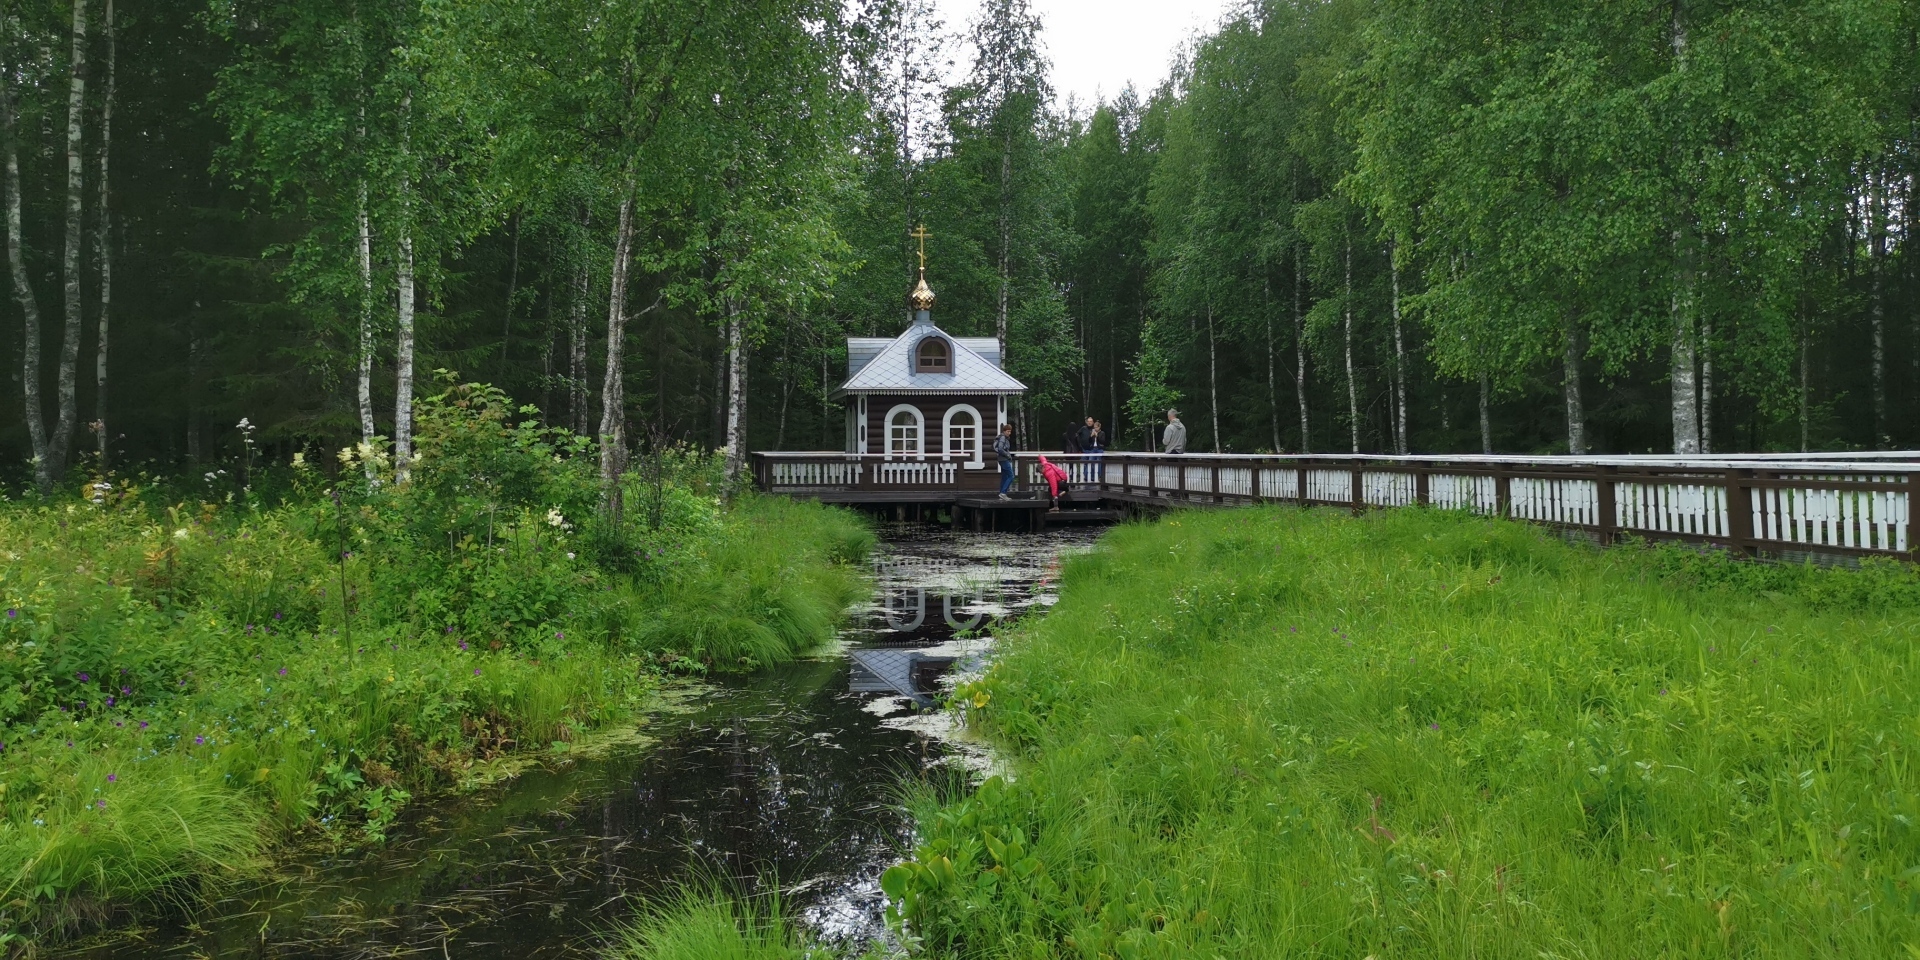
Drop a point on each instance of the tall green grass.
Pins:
(703, 925)
(184, 684)
(1265, 733)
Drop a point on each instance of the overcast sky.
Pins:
(1097, 46)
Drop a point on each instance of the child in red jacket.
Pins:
(1056, 481)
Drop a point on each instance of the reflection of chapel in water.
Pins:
(926, 398)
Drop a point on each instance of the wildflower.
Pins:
(559, 635)
(299, 460)
(143, 724)
(125, 690)
(1434, 726)
(109, 701)
(283, 671)
(180, 534)
(113, 778)
(555, 520)
(199, 741)
(569, 555)
(463, 644)
(277, 615)
(13, 614)
(476, 671)
(84, 676)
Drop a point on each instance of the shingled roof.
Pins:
(891, 367)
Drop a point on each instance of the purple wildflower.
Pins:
(463, 644)
(125, 690)
(283, 671)
(109, 701)
(199, 741)
(143, 724)
(84, 676)
(1434, 726)
(476, 671)
(113, 778)
(559, 635)
(99, 804)
(277, 615)
(13, 614)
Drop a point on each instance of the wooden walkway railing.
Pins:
(1856, 505)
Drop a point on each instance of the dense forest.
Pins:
(1341, 225)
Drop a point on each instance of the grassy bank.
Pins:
(1270, 732)
(186, 682)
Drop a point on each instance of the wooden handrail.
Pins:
(1750, 504)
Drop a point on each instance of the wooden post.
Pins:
(1302, 488)
(1608, 520)
(1421, 493)
(1180, 478)
(1502, 494)
(1217, 496)
(1740, 512)
(1359, 496)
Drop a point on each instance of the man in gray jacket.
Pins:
(1175, 439)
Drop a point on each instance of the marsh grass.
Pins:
(1271, 732)
(707, 924)
(184, 685)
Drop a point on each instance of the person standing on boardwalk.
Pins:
(1083, 436)
(1003, 452)
(1174, 440)
(1096, 445)
(1070, 438)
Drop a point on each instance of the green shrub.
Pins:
(244, 668)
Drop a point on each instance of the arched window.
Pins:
(903, 431)
(963, 432)
(934, 357)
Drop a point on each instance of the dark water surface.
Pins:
(788, 776)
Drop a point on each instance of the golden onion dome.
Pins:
(922, 296)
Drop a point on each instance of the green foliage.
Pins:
(1268, 732)
(695, 925)
(182, 685)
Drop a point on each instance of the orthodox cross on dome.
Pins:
(920, 233)
(921, 299)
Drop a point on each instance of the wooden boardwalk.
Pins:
(1785, 505)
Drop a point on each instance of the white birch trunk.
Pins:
(23, 294)
(1213, 381)
(737, 395)
(1685, 395)
(1570, 387)
(1877, 303)
(403, 344)
(364, 381)
(1399, 360)
(1273, 384)
(103, 253)
(579, 408)
(613, 403)
(60, 444)
(1006, 241)
(1346, 331)
(1300, 348)
(1686, 386)
(1706, 384)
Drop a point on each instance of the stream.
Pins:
(790, 776)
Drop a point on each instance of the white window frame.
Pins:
(979, 433)
(919, 432)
